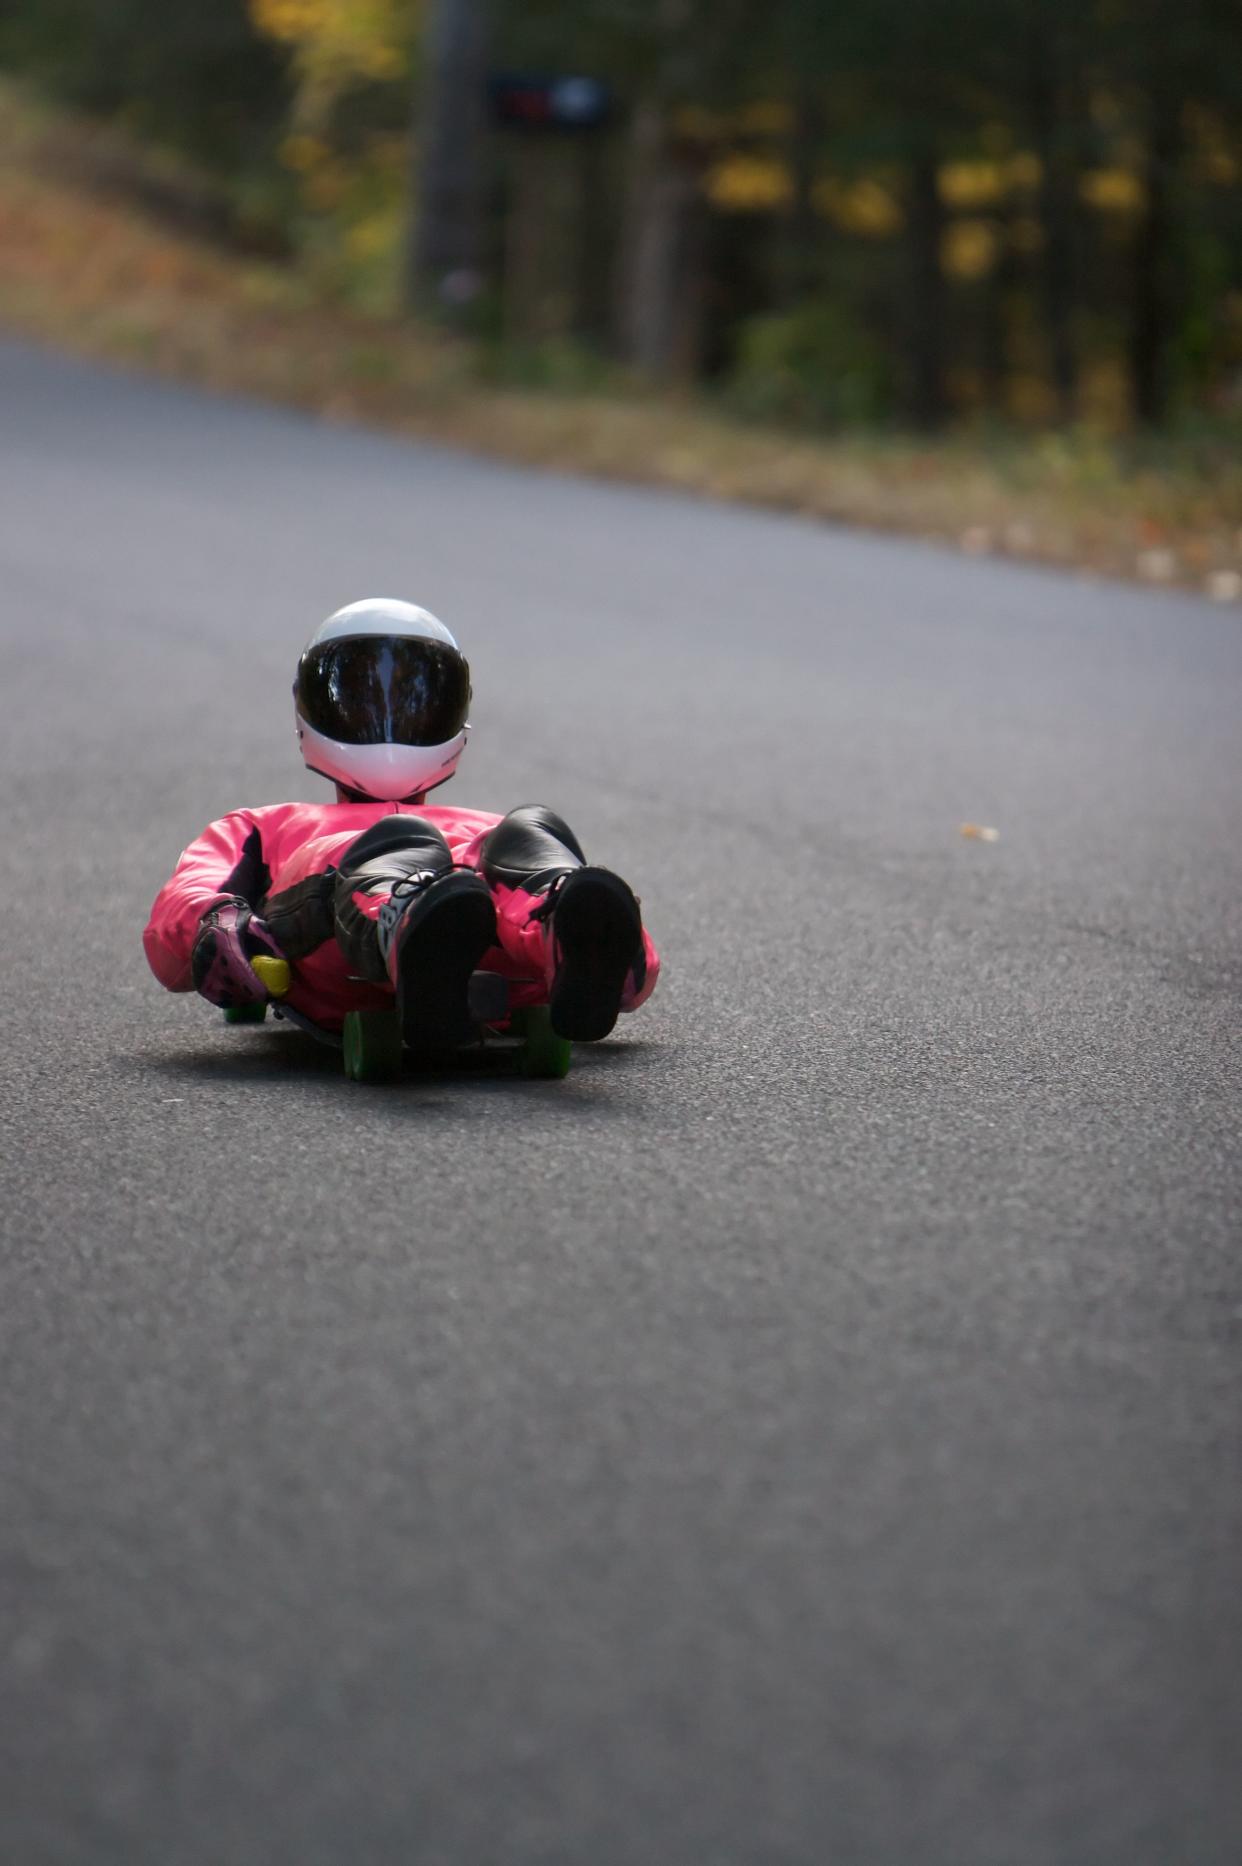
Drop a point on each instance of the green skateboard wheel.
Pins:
(246, 1013)
(543, 1054)
(372, 1046)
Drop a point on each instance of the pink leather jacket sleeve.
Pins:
(199, 881)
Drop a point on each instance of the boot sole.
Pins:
(598, 929)
(437, 956)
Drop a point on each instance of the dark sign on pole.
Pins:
(543, 103)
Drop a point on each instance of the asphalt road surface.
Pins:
(811, 1434)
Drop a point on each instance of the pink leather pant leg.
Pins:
(638, 991)
(528, 947)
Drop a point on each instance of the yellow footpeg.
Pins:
(275, 975)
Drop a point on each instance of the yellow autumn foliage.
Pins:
(749, 184)
(968, 250)
(352, 180)
(1113, 190)
(338, 44)
(864, 206)
(304, 153)
(758, 184)
(371, 238)
(972, 184)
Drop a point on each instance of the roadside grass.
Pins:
(89, 264)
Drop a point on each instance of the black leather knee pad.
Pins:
(386, 853)
(529, 844)
(301, 917)
(399, 836)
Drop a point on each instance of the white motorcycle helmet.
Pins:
(380, 701)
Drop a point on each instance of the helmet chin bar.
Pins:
(366, 773)
(345, 795)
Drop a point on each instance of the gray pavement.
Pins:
(810, 1433)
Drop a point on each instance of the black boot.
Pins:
(598, 933)
(432, 933)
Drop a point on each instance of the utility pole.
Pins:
(445, 239)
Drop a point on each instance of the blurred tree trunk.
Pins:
(925, 222)
(997, 307)
(445, 246)
(661, 283)
(802, 228)
(1152, 312)
(593, 245)
(529, 245)
(1052, 119)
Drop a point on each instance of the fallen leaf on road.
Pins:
(979, 832)
(1156, 566)
(1224, 586)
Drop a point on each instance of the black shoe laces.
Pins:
(547, 905)
(409, 885)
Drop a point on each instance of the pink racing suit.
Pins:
(281, 858)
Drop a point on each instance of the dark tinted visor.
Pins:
(384, 690)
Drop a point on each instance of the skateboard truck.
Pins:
(371, 1040)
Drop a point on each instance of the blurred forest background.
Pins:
(869, 217)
